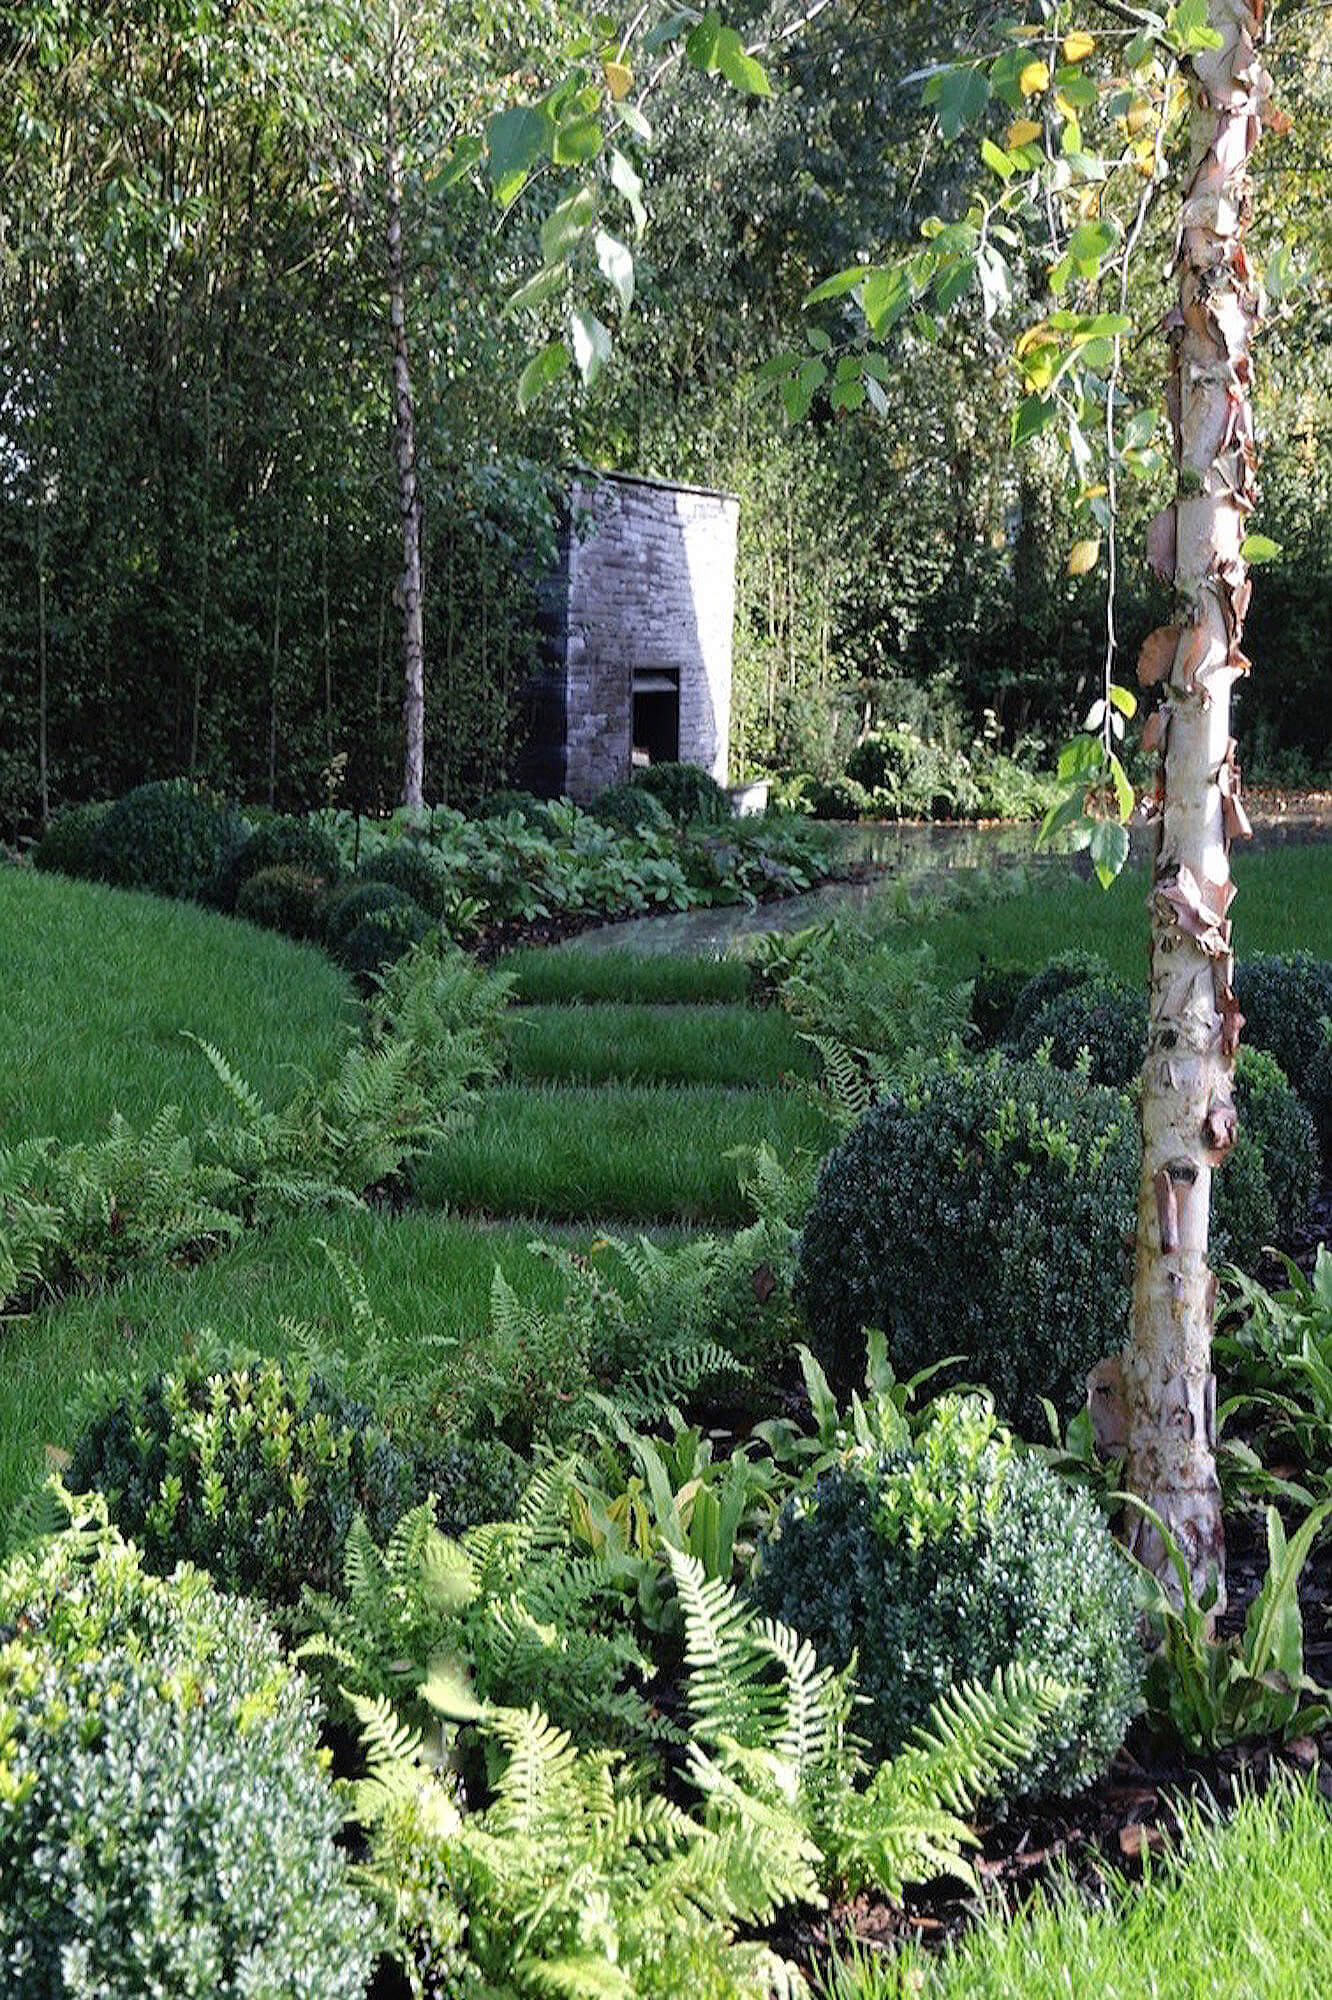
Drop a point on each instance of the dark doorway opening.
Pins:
(657, 716)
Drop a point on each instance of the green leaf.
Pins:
(886, 296)
(459, 162)
(997, 159)
(1109, 849)
(1188, 28)
(616, 263)
(631, 116)
(591, 344)
(515, 140)
(538, 289)
(1259, 549)
(1031, 417)
(1123, 699)
(1125, 797)
(565, 226)
(840, 283)
(957, 97)
(957, 280)
(543, 369)
(579, 140)
(627, 184)
(1089, 243)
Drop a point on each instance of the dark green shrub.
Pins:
(687, 791)
(70, 844)
(980, 1211)
(169, 837)
(941, 1560)
(509, 799)
(280, 899)
(994, 995)
(1065, 971)
(1285, 997)
(409, 867)
(382, 938)
(282, 842)
(1263, 1191)
(1101, 1016)
(253, 1473)
(472, 1479)
(1318, 1096)
(632, 808)
(838, 798)
(343, 908)
(167, 1825)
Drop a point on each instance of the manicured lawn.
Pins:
(101, 986)
(428, 1278)
(1284, 904)
(1242, 1912)
(569, 974)
(739, 1046)
(654, 1154)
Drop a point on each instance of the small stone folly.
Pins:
(636, 640)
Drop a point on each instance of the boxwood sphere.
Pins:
(344, 907)
(1262, 1193)
(282, 842)
(980, 1211)
(1063, 972)
(409, 866)
(938, 1562)
(171, 838)
(280, 899)
(1101, 1016)
(1285, 997)
(166, 1823)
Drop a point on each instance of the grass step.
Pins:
(741, 1046)
(646, 1154)
(569, 974)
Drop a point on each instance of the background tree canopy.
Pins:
(197, 507)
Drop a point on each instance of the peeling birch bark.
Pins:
(404, 447)
(1188, 1112)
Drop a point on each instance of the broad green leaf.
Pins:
(538, 289)
(1125, 798)
(631, 116)
(955, 281)
(1109, 849)
(1032, 415)
(1123, 699)
(459, 162)
(957, 96)
(997, 160)
(886, 296)
(565, 226)
(580, 139)
(515, 140)
(1259, 549)
(616, 263)
(840, 283)
(591, 344)
(1188, 28)
(626, 183)
(543, 369)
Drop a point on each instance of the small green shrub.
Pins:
(978, 1211)
(1063, 972)
(282, 842)
(473, 1479)
(70, 844)
(533, 811)
(343, 908)
(947, 1558)
(1318, 1094)
(994, 996)
(253, 1473)
(382, 938)
(1264, 1189)
(631, 807)
(166, 1825)
(171, 838)
(838, 798)
(280, 899)
(1099, 1016)
(687, 791)
(1285, 997)
(410, 866)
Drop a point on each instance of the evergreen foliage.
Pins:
(282, 842)
(1102, 1018)
(282, 899)
(1285, 996)
(169, 837)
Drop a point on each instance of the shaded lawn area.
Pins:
(620, 1155)
(651, 978)
(736, 1046)
(101, 984)
(1284, 904)
(428, 1278)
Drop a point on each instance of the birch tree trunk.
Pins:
(404, 434)
(1167, 1419)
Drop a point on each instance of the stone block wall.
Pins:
(647, 587)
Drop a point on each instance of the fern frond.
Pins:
(246, 1099)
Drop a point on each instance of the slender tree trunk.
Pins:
(201, 638)
(274, 671)
(404, 416)
(1168, 1414)
(43, 761)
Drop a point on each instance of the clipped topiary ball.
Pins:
(632, 808)
(415, 870)
(70, 845)
(253, 1473)
(1285, 998)
(472, 1479)
(284, 842)
(1262, 1193)
(687, 791)
(838, 798)
(1318, 1095)
(382, 938)
(166, 1824)
(343, 908)
(171, 838)
(1063, 972)
(942, 1560)
(981, 1211)
(280, 899)
(994, 995)
(1100, 1016)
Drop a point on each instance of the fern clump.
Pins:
(170, 837)
(949, 1559)
(254, 1473)
(980, 1212)
(166, 1823)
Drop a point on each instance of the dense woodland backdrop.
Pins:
(199, 533)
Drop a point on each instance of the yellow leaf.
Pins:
(1022, 132)
(1033, 78)
(619, 79)
(1078, 46)
(1141, 112)
(1083, 556)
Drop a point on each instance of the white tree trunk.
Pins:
(404, 434)
(1167, 1417)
